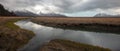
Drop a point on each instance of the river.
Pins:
(45, 34)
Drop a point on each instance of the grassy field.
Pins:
(11, 36)
(66, 45)
(110, 25)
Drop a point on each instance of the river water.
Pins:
(45, 34)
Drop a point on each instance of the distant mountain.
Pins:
(25, 13)
(30, 14)
(52, 14)
(4, 12)
(105, 15)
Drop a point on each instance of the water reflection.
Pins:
(44, 34)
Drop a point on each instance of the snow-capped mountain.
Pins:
(52, 14)
(106, 15)
(25, 13)
(31, 14)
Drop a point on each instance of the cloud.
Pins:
(61, 6)
(97, 4)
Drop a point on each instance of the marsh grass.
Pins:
(106, 25)
(11, 25)
(13, 37)
(84, 47)
(66, 45)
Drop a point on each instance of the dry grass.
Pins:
(66, 45)
(114, 21)
(111, 25)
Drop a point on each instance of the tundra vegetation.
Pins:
(11, 36)
(107, 25)
(66, 45)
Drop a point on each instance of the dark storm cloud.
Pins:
(66, 6)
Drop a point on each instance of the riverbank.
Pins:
(13, 37)
(45, 34)
(66, 45)
(109, 25)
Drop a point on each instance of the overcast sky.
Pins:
(67, 7)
